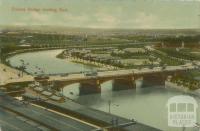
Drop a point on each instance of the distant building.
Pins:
(83, 51)
(25, 45)
(117, 51)
(99, 57)
(134, 50)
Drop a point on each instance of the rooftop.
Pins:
(134, 50)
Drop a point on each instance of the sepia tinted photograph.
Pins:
(99, 65)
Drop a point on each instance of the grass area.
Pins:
(187, 80)
(131, 55)
(84, 63)
(181, 53)
(11, 42)
(166, 59)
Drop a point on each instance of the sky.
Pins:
(129, 14)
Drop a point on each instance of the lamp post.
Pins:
(197, 126)
(198, 15)
(22, 67)
(109, 104)
(0, 54)
(114, 122)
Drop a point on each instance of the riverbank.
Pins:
(6, 56)
(169, 84)
(194, 93)
(86, 62)
(96, 64)
(8, 74)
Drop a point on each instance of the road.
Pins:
(10, 121)
(35, 117)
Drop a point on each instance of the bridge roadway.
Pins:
(78, 77)
(119, 73)
(16, 116)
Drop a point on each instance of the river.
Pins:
(146, 105)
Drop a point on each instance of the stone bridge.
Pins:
(122, 79)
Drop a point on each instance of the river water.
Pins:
(146, 105)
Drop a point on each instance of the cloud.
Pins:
(40, 17)
(79, 18)
(108, 16)
(104, 20)
(104, 14)
(33, 18)
(73, 20)
(96, 20)
(144, 20)
(19, 23)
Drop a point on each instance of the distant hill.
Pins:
(92, 31)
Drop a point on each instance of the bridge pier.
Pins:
(89, 87)
(154, 80)
(58, 86)
(123, 84)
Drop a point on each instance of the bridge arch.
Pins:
(93, 85)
